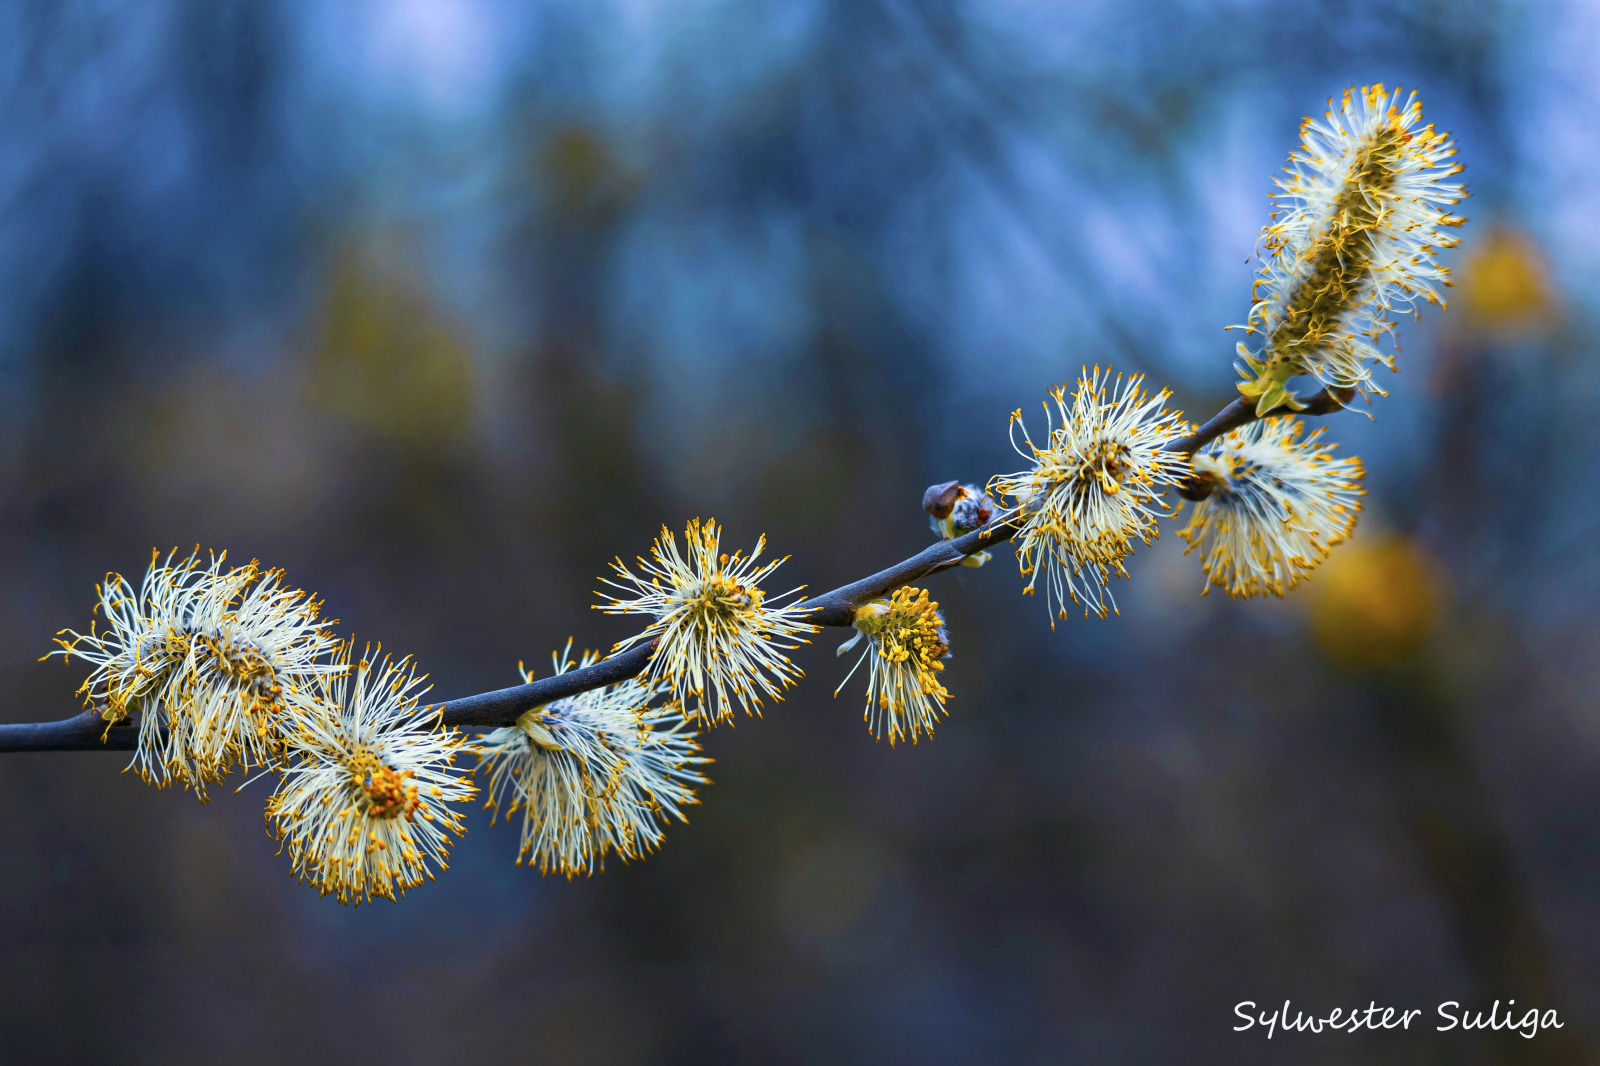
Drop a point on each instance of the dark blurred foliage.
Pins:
(440, 305)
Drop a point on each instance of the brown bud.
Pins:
(1333, 398)
(940, 498)
(1199, 486)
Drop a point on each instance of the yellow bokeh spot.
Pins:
(580, 172)
(1376, 603)
(386, 357)
(1505, 285)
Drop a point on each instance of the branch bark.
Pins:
(1242, 412)
(81, 732)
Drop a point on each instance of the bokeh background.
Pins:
(440, 304)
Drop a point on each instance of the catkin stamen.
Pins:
(1341, 258)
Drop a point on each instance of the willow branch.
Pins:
(501, 707)
(1241, 412)
(487, 710)
(836, 608)
(82, 732)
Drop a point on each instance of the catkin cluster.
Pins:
(229, 668)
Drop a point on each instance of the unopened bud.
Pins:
(972, 511)
(1210, 476)
(940, 498)
(963, 508)
(960, 509)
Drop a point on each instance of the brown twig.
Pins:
(836, 608)
(1241, 413)
(84, 732)
(488, 710)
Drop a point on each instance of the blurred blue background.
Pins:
(440, 304)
